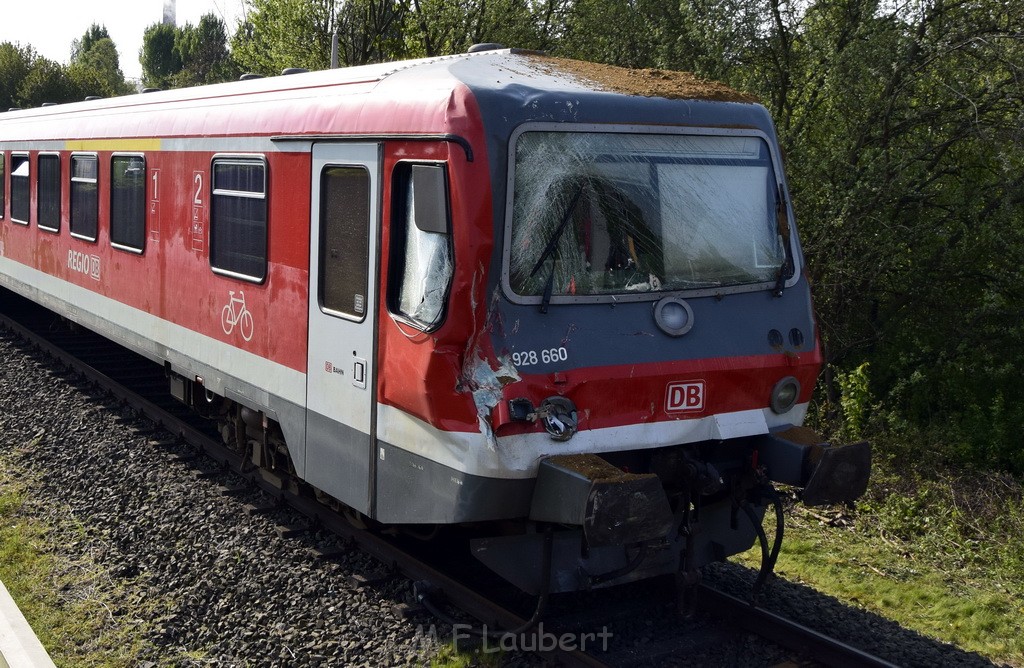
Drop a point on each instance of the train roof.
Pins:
(417, 96)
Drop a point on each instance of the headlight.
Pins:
(785, 394)
(674, 316)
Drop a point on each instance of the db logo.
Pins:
(328, 367)
(684, 396)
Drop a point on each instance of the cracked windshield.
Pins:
(614, 213)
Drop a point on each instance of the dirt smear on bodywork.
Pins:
(668, 84)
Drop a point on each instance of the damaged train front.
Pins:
(654, 310)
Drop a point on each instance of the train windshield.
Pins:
(617, 214)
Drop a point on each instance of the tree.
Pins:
(46, 82)
(905, 151)
(203, 52)
(901, 125)
(285, 33)
(160, 60)
(81, 46)
(15, 64)
(371, 31)
(95, 66)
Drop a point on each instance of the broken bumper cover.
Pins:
(603, 510)
(612, 506)
(828, 473)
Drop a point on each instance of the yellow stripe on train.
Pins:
(113, 145)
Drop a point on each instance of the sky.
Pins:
(49, 26)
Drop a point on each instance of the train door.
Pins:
(340, 377)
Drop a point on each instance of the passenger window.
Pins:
(84, 197)
(238, 220)
(3, 185)
(421, 250)
(128, 202)
(48, 193)
(19, 189)
(344, 240)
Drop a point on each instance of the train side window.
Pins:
(84, 197)
(48, 192)
(421, 250)
(19, 188)
(128, 202)
(238, 218)
(344, 240)
(3, 185)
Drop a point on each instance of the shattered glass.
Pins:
(617, 213)
(427, 270)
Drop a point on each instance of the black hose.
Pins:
(422, 596)
(766, 564)
(619, 572)
(768, 557)
(780, 523)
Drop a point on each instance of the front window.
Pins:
(598, 214)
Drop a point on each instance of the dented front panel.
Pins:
(580, 213)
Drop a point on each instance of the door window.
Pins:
(344, 240)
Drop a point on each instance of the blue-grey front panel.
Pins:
(614, 334)
(625, 333)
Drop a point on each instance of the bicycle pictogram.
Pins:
(235, 313)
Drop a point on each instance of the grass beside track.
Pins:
(73, 605)
(935, 551)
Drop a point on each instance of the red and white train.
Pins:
(483, 288)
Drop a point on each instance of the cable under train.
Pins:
(559, 302)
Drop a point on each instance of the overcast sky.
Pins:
(49, 26)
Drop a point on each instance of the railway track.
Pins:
(566, 636)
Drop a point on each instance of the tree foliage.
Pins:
(174, 57)
(160, 60)
(203, 50)
(285, 33)
(28, 80)
(95, 67)
(83, 45)
(15, 64)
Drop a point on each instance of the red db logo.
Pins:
(684, 396)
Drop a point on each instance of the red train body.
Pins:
(337, 266)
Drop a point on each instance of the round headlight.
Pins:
(674, 316)
(785, 394)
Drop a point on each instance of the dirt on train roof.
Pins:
(644, 82)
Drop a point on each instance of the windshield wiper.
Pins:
(782, 219)
(550, 248)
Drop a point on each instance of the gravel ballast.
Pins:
(223, 588)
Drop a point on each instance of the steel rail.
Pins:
(785, 632)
